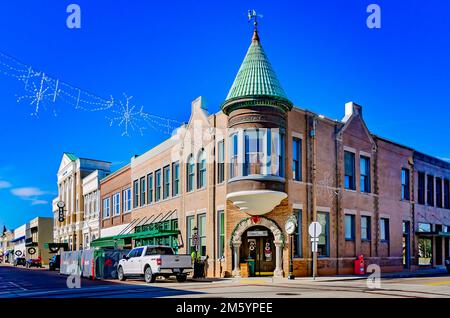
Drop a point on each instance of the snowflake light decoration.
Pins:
(127, 117)
(37, 94)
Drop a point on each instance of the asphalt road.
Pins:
(38, 283)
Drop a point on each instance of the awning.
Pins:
(124, 238)
(121, 240)
(431, 234)
(18, 239)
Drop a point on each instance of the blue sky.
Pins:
(166, 54)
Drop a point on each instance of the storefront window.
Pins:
(189, 233)
(425, 251)
(324, 237)
(221, 236)
(201, 224)
(298, 234)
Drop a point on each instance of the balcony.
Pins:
(256, 202)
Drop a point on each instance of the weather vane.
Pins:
(252, 15)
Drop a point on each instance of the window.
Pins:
(323, 246)
(405, 184)
(190, 231)
(221, 236)
(176, 178)
(425, 251)
(136, 193)
(439, 192)
(447, 194)
(349, 227)
(220, 161)
(298, 234)
(201, 224)
(424, 227)
(365, 228)
(166, 176)
(201, 182)
(281, 155)
(421, 188)
(190, 170)
(253, 143)
(234, 167)
(297, 159)
(349, 178)
(126, 197)
(430, 190)
(116, 204)
(150, 188)
(364, 167)
(106, 208)
(384, 229)
(143, 191)
(157, 185)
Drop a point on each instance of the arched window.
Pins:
(201, 181)
(190, 171)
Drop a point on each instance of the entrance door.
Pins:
(258, 251)
(406, 244)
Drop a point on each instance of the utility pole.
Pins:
(314, 190)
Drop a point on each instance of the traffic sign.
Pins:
(315, 229)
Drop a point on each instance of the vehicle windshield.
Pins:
(160, 250)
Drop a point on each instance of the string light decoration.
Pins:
(43, 91)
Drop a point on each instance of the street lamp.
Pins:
(290, 226)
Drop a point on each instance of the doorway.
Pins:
(406, 244)
(258, 251)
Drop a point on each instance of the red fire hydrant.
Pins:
(359, 266)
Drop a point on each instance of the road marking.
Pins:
(17, 286)
(251, 281)
(439, 283)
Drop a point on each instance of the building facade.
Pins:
(91, 197)
(39, 231)
(6, 246)
(70, 175)
(115, 206)
(225, 185)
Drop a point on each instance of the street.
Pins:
(40, 283)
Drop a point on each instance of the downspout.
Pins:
(337, 193)
(214, 197)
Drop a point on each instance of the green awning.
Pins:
(119, 240)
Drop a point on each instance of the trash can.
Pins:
(251, 266)
(359, 266)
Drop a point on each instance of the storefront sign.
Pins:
(257, 233)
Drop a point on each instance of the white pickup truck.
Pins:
(152, 261)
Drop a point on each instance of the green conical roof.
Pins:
(256, 76)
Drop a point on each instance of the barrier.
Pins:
(98, 263)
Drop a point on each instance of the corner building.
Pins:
(234, 177)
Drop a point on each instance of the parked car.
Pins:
(20, 261)
(34, 262)
(54, 263)
(152, 261)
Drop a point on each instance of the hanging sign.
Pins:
(257, 233)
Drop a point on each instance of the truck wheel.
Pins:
(148, 275)
(181, 278)
(120, 274)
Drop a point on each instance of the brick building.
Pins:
(225, 184)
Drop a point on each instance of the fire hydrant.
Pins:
(359, 266)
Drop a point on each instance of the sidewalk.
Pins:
(404, 274)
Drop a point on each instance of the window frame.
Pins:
(175, 178)
(116, 204)
(386, 232)
(190, 173)
(368, 236)
(157, 185)
(221, 161)
(150, 188)
(351, 185)
(166, 182)
(364, 176)
(430, 190)
(106, 208)
(201, 170)
(142, 191)
(136, 193)
(297, 144)
(406, 183)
